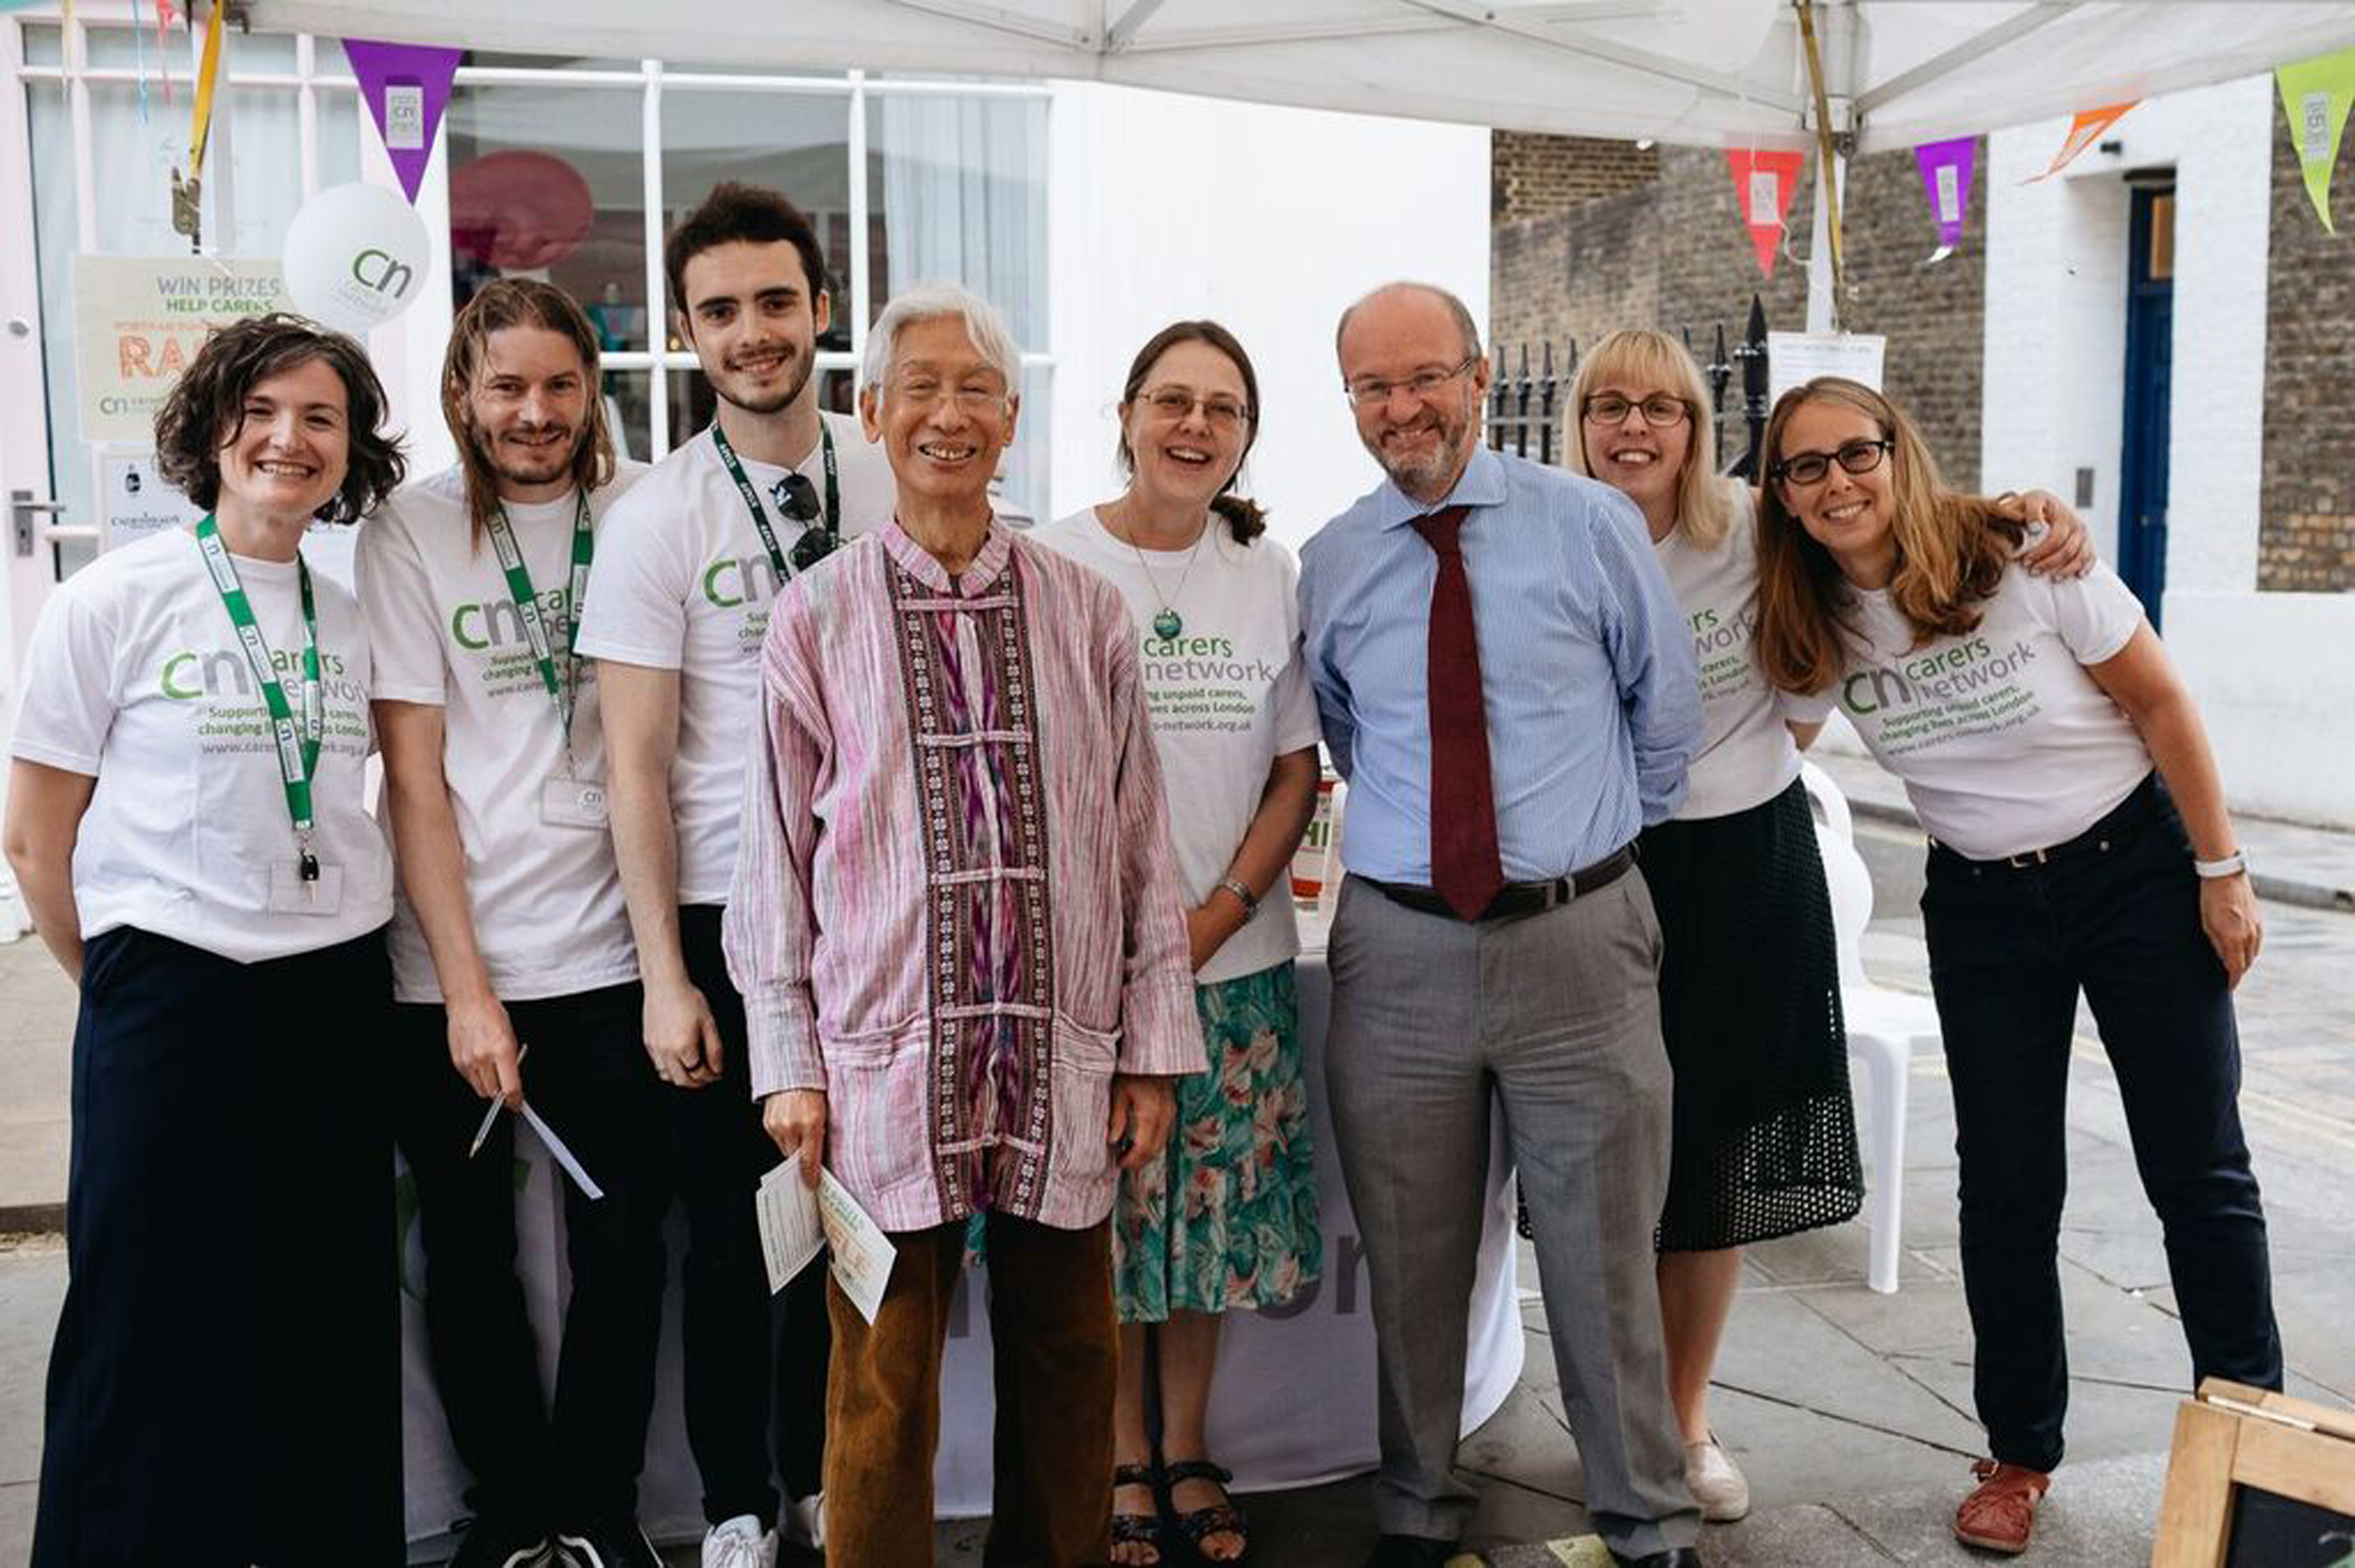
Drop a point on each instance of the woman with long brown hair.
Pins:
(2079, 843)
(1227, 1218)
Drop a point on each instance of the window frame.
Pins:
(652, 81)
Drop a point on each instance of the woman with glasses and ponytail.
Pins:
(1765, 1137)
(188, 823)
(2079, 844)
(1227, 1218)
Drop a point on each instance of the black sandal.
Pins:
(1139, 1529)
(1220, 1518)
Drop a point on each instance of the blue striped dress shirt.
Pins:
(1586, 668)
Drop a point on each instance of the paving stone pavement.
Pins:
(1851, 1412)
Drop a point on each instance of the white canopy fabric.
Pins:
(1705, 73)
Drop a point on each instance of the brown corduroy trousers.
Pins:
(1056, 1346)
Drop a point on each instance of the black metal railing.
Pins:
(1528, 415)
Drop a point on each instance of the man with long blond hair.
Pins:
(509, 929)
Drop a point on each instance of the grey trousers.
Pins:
(1557, 1016)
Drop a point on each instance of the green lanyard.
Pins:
(298, 744)
(562, 688)
(831, 521)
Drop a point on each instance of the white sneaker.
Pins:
(805, 1522)
(739, 1542)
(1717, 1482)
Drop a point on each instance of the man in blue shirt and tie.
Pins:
(1507, 684)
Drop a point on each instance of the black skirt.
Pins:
(1765, 1132)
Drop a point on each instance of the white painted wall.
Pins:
(1270, 221)
(2055, 361)
(2055, 348)
(2273, 682)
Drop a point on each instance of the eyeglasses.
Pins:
(1809, 468)
(1174, 403)
(1660, 409)
(796, 497)
(970, 396)
(1368, 391)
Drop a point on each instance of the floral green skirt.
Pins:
(1227, 1218)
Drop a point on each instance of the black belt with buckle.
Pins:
(2117, 824)
(1516, 899)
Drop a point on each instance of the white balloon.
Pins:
(355, 257)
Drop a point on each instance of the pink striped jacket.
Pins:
(955, 910)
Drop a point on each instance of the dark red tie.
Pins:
(1464, 865)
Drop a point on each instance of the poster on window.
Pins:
(1794, 358)
(133, 499)
(139, 320)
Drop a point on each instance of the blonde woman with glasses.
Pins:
(1765, 1137)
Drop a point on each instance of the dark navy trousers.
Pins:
(2011, 947)
(225, 1387)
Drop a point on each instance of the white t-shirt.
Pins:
(1746, 756)
(2005, 743)
(136, 676)
(546, 900)
(1228, 697)
(683, 583)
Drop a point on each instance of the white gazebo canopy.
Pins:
(1703, 72)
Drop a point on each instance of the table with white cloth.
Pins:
(1293, 1402)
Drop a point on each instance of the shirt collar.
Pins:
(1482, 483)
(921, 563)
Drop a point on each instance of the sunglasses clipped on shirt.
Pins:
(796, 497)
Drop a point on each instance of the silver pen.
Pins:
(491, 1117)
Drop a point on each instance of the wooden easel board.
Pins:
(2258, 1480)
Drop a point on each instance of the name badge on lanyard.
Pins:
(565, 800)
(299, 885)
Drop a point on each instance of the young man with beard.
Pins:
(686, 570)
(509, 931)
(1494, 937)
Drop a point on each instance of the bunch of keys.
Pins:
(187, 213)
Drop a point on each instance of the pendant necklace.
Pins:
(1169, 625)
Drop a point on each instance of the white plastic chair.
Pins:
(1883, 1028)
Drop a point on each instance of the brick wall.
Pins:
(2306, 540)
(1673, 254)
(1532, 175)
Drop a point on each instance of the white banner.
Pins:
(1292, 1405)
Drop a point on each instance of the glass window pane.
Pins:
(550, 183)
(963, 188)
(793, 143)
(628, 395)
(44, 44)
(1021, 487)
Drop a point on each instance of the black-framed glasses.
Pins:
(796, 497)
(1368, 391)
(1660, 410)
(1809, 468)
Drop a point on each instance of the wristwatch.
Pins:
(1234, 884)
(2215, 870)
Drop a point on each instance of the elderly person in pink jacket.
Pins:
(960, 937)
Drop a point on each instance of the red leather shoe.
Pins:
(2001, 1513)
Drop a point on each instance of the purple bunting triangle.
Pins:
(407, 87)
(1947, 178)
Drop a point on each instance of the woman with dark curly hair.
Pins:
(186, 821)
